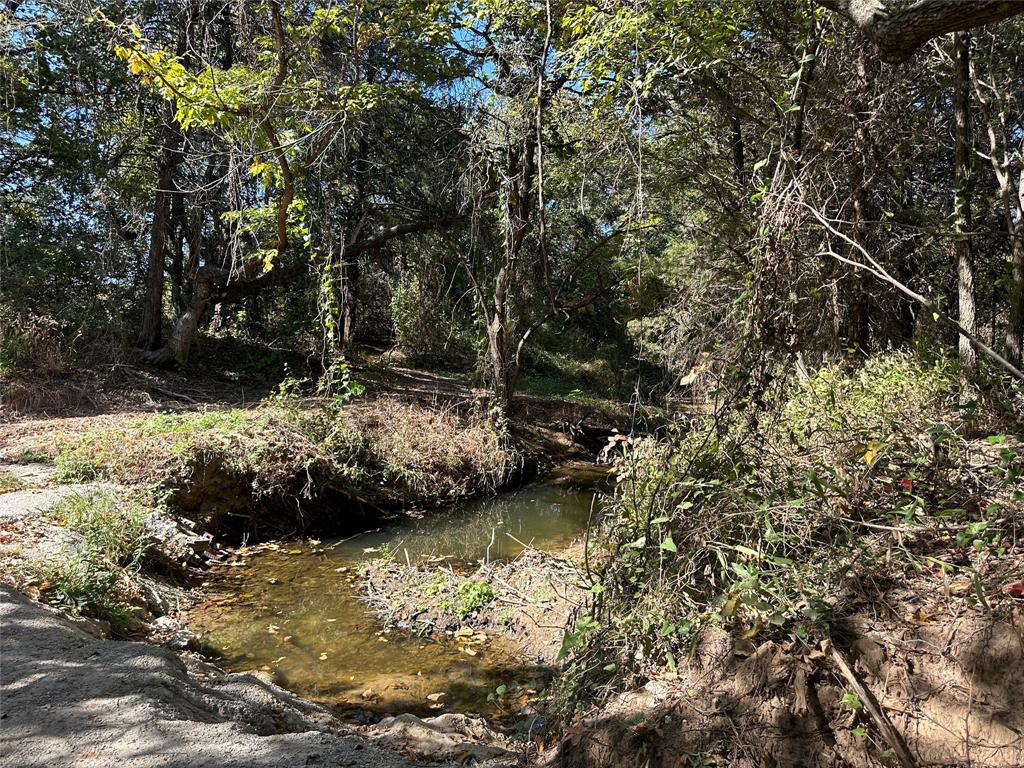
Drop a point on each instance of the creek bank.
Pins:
(74, 700)
(297, 466)
(166, 585)
(926, 676)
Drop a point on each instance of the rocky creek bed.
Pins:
(299, 611)
(73, 697)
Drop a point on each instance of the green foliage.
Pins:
(426, 325)
(98, 579)
(9, 482)
(112, 529)
(764, 532)
(84, 585)
(852, 701)
(472, 595)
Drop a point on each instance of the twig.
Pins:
(888, 730)
(172, 395)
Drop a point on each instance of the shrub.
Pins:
(31, 342)
(769, 530)
(111, 529)
(85, 586)
(97, 580)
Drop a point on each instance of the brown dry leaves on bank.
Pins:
(379, 452)
(528, 599)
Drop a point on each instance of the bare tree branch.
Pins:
(898, 34)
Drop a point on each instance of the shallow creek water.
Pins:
(293, 609)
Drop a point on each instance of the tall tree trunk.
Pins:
(860, 297)
(501, 342)
(348, 301)
(1015, 324)
(153, 303)
(962, 243)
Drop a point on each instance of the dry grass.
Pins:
(383, 451)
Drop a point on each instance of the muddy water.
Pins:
(293, 611)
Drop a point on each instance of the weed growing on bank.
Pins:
(384, 450)
(472, 595)
(848, 479)
(99, 578)
(10, 483)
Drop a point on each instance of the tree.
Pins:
(282, 106)
(898, 34)
(962, 182)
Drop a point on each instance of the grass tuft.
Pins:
(98, 580)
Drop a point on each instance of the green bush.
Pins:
(764, 530)
(473, 595)
(113, 530)
(85, 586)
(97, 580)
(426, 325)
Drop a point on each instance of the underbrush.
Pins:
(10, 483)
(848, 484)
(99, 579)
(383, 451)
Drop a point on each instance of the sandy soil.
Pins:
(74, 700)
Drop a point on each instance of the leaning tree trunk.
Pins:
(898, 32)
(962, 244)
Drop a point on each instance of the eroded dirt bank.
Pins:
(72, 699)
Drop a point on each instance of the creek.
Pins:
(292, 609)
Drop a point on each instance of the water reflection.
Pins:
(294, 613)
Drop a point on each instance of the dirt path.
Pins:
(70, 699)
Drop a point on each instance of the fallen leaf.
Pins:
(1014, 590)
